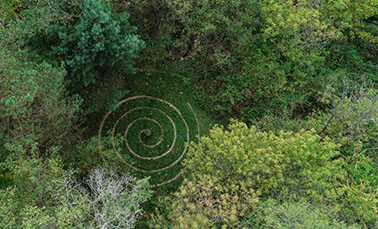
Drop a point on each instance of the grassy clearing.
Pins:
(173, 89)
(148, 122)
(168, 87)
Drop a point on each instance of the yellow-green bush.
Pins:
(287, 166)
(286, 163)
(205, 203)
(301, 214)
(351, 120)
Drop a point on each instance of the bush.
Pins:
(353, 114)
(33, 102)
(288, 163)
(43, 195)
(349, 117)
(301, 214)
(31, 186)
(252, 58)
(205, 203)
(10, 9)
(252, 61)
(286, 167)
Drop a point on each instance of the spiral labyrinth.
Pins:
(154, 134)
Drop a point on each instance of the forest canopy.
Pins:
(188, 114)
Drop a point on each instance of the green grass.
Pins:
(173, 89)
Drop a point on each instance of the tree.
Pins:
(43, 194)
(252, 61)
(98, 49)
(202, 202)
(100, 39)
(287, 167)
(272, 214)
(34, 105)
(95, 43)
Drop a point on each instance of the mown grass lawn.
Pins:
(166, 103)
(146, 121)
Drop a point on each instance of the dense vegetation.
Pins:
(266, 112)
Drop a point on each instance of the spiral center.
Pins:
(146, 132)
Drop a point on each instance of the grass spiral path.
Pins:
(155, 122)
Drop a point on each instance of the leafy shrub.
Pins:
(353, 112)
(253, 61)
(205, 203)
(33, 102)
(44, 195)
(352, 122)
(10, 9)
(156, 23)
(32, 185)
(301, 214)
(349, 119)
(286, 167)
(272, 163)
(258, 57)
(91, 154)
